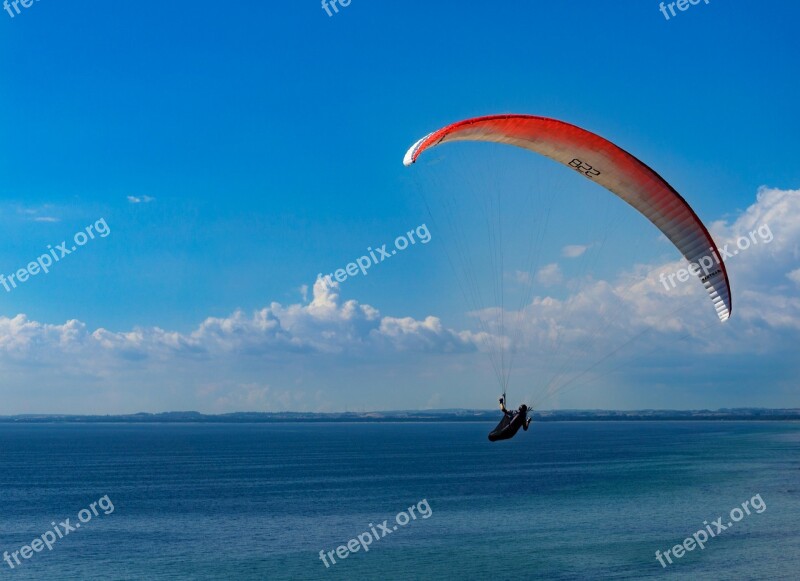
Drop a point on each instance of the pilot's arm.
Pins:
(503, 406)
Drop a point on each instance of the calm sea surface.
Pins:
(562, 501)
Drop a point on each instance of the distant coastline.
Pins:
(454, 415)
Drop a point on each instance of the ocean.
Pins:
(565, 500)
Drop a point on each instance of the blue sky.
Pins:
(263, 143)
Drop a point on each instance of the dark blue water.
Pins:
(563, 501)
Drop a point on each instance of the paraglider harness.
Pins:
(511, 423)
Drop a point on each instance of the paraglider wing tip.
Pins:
(412, 152)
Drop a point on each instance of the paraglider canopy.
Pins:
(613, 168)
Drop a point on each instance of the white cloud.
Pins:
(325, 325)
(140, 199)
(574, 250)
(549, 275)
(43, 213)
(230, 396)
(760, 301)
(434, 402)
(521, 277)
(675, 332)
